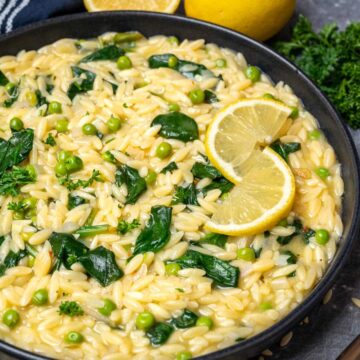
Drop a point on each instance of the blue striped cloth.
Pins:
(16, 13)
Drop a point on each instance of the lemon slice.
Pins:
(239, 129)
(167, 6)
(264, 196)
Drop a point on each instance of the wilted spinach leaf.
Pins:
(176, 125)
(16, 149)
(82, 84)
(110, 52)
(100, 264)
(66, 249)
(220, 271)
(186, 194)
(169, 168)
(41, 100)
(222, 184)
(188, 69)
(3, 79)
(185, 320)
(12, 259)
(159, 333)
(74, 201)
(307, 234)
(14, 94)
(156, 233)
(201, 171)
(135, 184)
(210, 97)
(284, 149)
(214, 239)
(299, 230)
(292, 258)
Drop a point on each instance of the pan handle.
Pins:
(352, 352)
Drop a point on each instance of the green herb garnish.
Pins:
(331, 59)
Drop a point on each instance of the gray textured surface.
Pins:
(333, 326)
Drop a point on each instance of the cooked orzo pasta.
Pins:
(105, 190)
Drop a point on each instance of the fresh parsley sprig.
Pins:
(75, 184)
(331, 59)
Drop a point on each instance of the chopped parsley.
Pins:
(70, 308)
(75, 184)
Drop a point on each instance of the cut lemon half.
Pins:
(167, 6)
(264, 196)
(239, 129)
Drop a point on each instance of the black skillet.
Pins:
(91, 25)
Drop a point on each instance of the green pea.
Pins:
(31, 261)
(204, 321)
(269, 96)
(109, 157)
(63, 155)
(224, 196)
(145, 320)
(172, 62)
(253, 73)
(322, 236)
(89, 129)
(74, 337)
(265, 306)
(31, 98)
(114, 124)
(246, 253)
(124, 63)
(163, 150)
(173, 40)
(16, 124)
(55, 108)
(322, 172)
(314, 135)
(221, 63)
(184, 355)
(11, 318)
(294, 112)
(9, 87)
(40, 297)
(29, 203)
(108, 307)
(18, 215)
(73, 164)
(62, 125)
(150, 178)
(31, 170)
(174, 107)
(60, 169)
(197, 96)
(283, 223)
(172, 268)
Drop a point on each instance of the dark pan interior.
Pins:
(92, 25)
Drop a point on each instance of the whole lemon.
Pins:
(259, 19)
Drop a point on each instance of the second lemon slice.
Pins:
(263, 197)
(239, 129)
